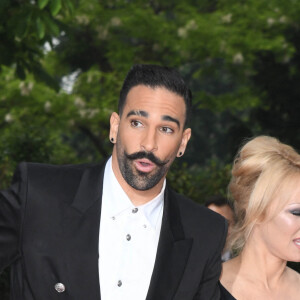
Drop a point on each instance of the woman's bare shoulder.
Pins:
(294, 277)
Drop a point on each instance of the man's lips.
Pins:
(144, 165)
(297, 242)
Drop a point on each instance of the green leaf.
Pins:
(51, 26)
(69, 6)
(20, 23)
(42, 75)
(40, 26)
(42, 3)
(55, 7)
(21, 28)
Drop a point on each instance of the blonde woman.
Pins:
(265, 188)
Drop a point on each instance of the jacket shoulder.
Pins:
(44, 170)
(54, 167)
(53, 181)
(196, 217)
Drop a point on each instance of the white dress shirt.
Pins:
(128, 241)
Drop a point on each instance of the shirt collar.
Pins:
(119, 202)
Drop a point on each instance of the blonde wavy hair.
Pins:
(263, 176)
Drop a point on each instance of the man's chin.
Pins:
(142, 182)
(143, 174)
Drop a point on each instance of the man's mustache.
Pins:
(148, 155)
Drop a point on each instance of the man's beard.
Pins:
(139, 180)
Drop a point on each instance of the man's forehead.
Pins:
(143, 97)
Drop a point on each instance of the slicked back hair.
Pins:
(156, 76)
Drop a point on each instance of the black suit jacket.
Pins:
(49, 233)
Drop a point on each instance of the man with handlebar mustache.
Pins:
(116, 230)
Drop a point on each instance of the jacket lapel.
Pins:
(172, 252)
(81, 234)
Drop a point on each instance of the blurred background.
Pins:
(62, 64)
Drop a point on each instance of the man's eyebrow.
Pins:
(171, 119)
(141, 113)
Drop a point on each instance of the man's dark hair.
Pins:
(156, 76)
(217, 200)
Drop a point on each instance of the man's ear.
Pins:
(114, 127)
(186, 135)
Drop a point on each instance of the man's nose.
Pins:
(149, 141)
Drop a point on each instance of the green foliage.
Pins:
(199, 183)
(55, 7)
(24, 28)
(33, 124)
(42, 3)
